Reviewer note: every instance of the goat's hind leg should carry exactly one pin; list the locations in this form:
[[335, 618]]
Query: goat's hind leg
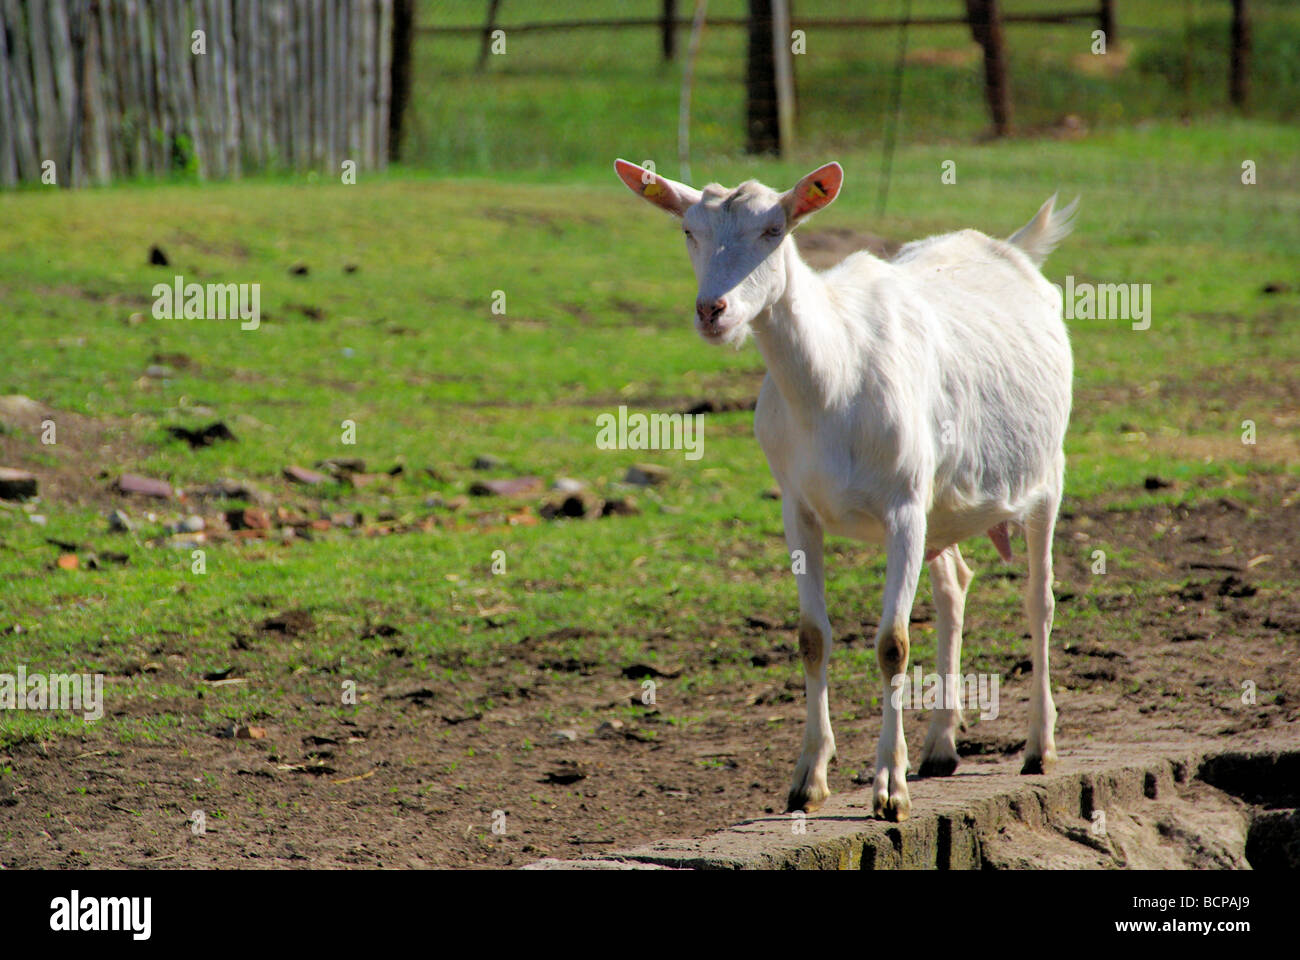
[[949, 579], [1040, 745], [803, 533]]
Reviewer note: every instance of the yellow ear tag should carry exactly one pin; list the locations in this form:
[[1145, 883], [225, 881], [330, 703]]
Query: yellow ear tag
[[652, 189], [815, 191]]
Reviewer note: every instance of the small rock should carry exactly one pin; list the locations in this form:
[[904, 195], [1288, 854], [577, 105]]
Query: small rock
[[158, 372], [203, 436], [302, 475], [68, 561], [610, 729], [514, 487], [568, 485], [622, 507], [157, 258], [568, 736], [1156, 483], [342, 465], [144, 486], [349, 268], [38, 519], [135, 319], [119, 522], [191, 524], [250, 518], [299, 269], [574, 506], [487, 462], [16, 484], [646, 475]]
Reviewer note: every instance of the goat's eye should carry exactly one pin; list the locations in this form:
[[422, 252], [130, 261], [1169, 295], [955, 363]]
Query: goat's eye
[[687, 234], [772, 232]]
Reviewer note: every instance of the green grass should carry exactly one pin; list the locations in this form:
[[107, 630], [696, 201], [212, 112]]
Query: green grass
[[542, 104]]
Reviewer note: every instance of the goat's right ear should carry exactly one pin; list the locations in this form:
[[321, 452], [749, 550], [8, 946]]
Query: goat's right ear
[[664, 193]]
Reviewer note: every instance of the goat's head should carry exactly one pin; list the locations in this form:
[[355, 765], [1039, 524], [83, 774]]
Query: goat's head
[[733, 237]]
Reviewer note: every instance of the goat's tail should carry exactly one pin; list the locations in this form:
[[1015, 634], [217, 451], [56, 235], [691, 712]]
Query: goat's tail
[[1040, 235]]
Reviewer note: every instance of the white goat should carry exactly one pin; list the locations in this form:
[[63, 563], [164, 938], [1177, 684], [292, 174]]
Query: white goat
[[915, 403]]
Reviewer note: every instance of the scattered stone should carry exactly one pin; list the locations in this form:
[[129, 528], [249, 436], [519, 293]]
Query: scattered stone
[[250, 518], [1277, 287], [639, 671], [187, 543], [621, 507], [610, 729], [135, 319], [342, 465], [227, 489], [488, 462], [565, 772], [190, 524], [238, 731], [349, 268], [646, 475], [566, 736], [1156, 483], [68, 561], [119, 522], [17, 484], [568, 485], [574, 506], [144, 486], [347, 520], [299, 269], [158, 372], [37, 518], [157, 258], [203, 436], [291, 623], [457, 503], [514, 487], [302, 475]]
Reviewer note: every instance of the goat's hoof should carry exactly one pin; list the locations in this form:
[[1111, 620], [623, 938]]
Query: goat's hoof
[[807, 798], [1038, 764], [893, 803], [938, 767]]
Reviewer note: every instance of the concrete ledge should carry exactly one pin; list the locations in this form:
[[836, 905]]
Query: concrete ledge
[[1151, 805]]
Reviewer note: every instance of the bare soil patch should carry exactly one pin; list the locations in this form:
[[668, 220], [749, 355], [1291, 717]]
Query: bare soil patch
[[564, 749]]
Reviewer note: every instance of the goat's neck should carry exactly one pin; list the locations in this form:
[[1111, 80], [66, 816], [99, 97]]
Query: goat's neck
[[803, 339]]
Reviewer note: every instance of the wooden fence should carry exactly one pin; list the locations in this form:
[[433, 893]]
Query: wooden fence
[[120, 88]]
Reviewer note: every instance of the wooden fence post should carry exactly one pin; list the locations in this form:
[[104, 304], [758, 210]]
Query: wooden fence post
[[986, 26], [763, 126], [1239, 81], [668, 25], [1106, 21], [400, 89]]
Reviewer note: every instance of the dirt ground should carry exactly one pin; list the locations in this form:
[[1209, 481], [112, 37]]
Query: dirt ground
[[411, 785]]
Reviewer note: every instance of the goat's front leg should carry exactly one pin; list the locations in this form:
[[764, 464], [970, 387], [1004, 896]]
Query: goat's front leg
[[905, 546], [803, 534]]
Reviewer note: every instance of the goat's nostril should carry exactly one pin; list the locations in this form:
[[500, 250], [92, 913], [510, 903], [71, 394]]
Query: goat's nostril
[[710, 312]]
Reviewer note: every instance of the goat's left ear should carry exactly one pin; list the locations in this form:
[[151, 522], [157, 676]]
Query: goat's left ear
[[813, 192]]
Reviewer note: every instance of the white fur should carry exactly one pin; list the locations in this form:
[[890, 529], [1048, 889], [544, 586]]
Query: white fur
[[914, 403]]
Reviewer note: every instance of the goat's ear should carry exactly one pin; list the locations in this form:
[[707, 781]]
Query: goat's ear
[[669, 194], [813, 192]]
